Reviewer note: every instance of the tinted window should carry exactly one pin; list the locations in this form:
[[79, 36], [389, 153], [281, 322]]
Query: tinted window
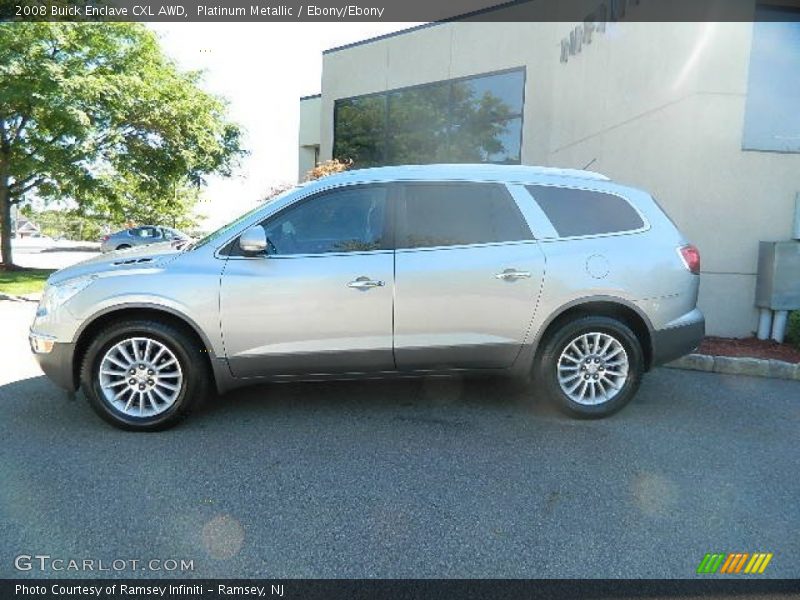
[[347, 220], [448, 214], [584, 212], [473, 119], [146, 232], [771, 119]]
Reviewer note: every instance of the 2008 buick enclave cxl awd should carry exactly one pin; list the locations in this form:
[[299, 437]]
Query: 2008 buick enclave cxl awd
[[562, 275]]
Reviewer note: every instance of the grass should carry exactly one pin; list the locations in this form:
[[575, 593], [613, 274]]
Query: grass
[[23, 281]]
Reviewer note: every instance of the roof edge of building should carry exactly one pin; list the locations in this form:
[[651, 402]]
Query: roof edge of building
[[460, 17]]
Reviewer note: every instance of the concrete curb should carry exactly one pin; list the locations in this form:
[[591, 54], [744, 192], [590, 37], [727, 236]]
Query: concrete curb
[[730, 365]]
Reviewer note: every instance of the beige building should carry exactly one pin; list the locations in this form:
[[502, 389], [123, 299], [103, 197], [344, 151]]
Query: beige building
[[308, 136], [679, 109]]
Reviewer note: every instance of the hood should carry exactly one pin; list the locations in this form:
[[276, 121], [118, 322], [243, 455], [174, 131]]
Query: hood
[[137, 259]]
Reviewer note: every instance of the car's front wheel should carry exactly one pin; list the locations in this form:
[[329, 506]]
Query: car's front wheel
[[143, 375], [591, 366]]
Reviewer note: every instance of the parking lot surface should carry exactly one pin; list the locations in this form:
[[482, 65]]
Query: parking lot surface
[[422, 478]]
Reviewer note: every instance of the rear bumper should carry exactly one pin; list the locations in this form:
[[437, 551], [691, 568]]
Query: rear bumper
[[676, 341], [57, 365]]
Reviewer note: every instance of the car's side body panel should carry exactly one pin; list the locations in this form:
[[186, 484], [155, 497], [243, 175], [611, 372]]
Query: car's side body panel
[[295, 315], [455, 307]]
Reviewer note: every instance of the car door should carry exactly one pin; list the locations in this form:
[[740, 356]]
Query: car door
[[468, 276], [320, 300]]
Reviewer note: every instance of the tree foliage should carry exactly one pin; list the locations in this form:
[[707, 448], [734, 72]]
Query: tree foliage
[[97, 114], [65, 223]]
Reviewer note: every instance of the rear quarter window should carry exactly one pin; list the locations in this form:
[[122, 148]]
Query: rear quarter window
[[575, 212]]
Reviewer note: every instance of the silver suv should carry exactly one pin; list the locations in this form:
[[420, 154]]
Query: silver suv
[[562, 275]]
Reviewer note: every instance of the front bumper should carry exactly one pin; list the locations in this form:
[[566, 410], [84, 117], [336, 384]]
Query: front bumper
[[673, 342], [57, 364]]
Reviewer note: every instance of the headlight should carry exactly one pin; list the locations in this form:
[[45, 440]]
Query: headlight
[[58, 294]]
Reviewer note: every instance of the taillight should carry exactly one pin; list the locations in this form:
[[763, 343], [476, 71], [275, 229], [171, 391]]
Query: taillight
[[105, 238], [690, 256]]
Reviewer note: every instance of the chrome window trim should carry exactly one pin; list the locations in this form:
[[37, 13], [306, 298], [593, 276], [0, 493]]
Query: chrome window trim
[[465, 246], [315, 255]]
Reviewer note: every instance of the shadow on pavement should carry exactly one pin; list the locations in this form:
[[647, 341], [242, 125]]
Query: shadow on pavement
[[34, 401]]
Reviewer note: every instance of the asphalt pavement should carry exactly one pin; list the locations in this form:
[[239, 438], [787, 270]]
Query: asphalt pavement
[[425, 478]]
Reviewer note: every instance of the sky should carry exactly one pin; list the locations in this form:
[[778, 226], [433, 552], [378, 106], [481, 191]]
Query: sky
[[262, 69]]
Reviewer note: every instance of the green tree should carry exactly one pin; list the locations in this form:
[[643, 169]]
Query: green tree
[[95, 113]]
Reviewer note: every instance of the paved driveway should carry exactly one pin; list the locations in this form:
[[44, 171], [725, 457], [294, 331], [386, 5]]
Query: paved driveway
[[430, 478]]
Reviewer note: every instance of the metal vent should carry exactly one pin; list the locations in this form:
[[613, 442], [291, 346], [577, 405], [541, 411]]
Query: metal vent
[[132, 261]]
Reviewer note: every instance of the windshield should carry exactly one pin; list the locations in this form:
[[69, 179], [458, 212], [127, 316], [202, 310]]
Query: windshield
[[225, 229]]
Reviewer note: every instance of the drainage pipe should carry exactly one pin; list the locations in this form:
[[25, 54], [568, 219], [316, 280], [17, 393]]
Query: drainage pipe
[[764, 323], [779, 325]]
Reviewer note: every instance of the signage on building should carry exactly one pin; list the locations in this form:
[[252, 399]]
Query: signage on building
[[595, 21]]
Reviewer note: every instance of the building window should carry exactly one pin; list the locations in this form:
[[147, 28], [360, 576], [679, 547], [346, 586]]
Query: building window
[[772, 118], [472, 119]]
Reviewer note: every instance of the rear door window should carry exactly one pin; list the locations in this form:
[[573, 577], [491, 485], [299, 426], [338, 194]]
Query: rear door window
[[575, 212], [456, 213]]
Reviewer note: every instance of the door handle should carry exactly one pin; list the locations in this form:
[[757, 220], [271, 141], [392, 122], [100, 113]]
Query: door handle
[[365, 283], [513, 275]]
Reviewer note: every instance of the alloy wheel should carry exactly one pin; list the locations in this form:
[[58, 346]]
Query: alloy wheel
[[140, 377], [593, 368]]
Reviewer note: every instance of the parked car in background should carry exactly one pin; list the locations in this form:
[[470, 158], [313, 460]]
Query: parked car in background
[[141, 236], [563, 276]]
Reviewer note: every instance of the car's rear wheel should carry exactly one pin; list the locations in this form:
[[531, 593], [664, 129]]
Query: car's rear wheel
[[591, 367], [144, 375], [123, 246]]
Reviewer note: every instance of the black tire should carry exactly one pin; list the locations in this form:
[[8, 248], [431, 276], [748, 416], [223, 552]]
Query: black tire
[[194, 387], [546, 368], [123, 246]]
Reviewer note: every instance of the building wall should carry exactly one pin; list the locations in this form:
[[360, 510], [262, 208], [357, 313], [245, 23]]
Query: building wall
[[309, 135], [659, 106]]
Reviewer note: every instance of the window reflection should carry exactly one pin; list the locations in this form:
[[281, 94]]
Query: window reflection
[[476, 119]]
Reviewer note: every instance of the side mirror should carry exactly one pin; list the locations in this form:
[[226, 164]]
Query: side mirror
[[253, 240]]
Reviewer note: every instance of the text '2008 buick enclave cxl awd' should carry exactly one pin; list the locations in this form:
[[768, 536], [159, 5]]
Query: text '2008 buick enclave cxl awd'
[[565, 276]]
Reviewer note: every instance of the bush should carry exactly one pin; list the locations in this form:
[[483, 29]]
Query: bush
[[793, 331], [329, 167]]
